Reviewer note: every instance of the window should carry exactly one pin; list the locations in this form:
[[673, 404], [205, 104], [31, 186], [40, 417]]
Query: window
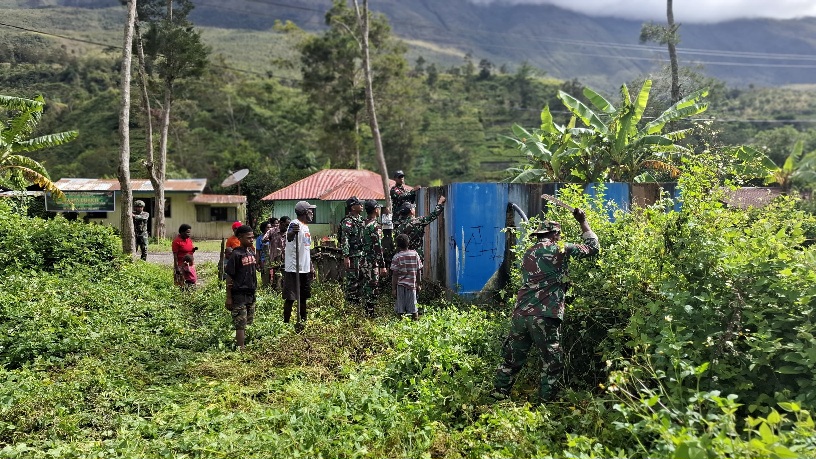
[[167, 208], [216, 214]]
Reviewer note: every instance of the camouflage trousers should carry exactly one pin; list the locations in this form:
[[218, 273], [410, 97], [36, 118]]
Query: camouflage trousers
[[545, 333], [353, 281], [370, 285], [141, 245]]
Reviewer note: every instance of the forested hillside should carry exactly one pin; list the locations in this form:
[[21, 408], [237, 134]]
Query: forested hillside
[[259, 106]]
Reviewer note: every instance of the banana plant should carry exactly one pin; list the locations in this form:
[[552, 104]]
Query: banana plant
[[15, 140], [798, 168], [621, 142], [614, 143], [549, 151]]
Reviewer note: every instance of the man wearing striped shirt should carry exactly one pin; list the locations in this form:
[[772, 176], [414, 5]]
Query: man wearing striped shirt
[[406, 272]]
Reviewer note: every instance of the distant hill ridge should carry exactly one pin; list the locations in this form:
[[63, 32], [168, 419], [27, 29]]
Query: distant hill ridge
[[597, 50]]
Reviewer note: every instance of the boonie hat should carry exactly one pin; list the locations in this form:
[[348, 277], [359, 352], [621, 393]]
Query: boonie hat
[[399, 173], [236, 225], [302, 206], [548, 226], [138, 203], [371, 204], [353, 201], [407, 208]]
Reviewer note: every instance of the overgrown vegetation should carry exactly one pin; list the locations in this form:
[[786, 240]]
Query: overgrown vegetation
[[690, 335]]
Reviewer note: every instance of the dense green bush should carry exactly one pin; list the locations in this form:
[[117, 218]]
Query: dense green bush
[[54, 244]]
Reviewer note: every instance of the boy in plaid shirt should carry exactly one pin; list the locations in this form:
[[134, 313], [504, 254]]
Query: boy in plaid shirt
[[406, 272]]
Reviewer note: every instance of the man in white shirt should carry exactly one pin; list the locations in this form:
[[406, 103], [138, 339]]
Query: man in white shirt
[[298, 275]]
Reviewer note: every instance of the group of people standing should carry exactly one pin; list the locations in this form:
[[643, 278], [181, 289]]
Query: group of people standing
[[369, 257], [289, 243]]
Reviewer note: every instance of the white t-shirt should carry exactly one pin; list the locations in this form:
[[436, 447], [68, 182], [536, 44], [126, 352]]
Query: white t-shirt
[[386, 222], [304, 238]]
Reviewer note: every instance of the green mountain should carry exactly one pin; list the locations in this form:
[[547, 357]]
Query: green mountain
[[599, 51]]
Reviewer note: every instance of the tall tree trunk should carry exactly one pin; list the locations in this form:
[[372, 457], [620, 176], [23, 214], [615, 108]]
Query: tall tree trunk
[[126, 193], [161, 166], [148, 163], [672, 39], [362, 18], [357, 164]]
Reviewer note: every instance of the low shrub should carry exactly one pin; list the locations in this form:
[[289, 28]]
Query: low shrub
[[54, 244]]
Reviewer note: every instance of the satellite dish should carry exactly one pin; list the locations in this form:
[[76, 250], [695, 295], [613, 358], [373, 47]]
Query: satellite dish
[[235, 177]]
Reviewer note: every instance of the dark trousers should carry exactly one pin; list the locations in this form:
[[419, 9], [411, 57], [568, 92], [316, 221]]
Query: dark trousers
[[141, 245]]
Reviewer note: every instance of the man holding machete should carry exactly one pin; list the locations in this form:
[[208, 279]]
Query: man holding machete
[[540, 305]]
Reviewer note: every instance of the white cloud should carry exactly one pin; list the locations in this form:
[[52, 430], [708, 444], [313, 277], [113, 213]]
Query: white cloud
[[688, 11]]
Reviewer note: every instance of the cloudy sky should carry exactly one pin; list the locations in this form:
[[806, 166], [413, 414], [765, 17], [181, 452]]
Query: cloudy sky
[[688, 11]]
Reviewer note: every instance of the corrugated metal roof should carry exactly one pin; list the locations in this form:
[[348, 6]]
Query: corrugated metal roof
[[333, 185], [218, 199], [751, 197], [170, 185], [349, 189]]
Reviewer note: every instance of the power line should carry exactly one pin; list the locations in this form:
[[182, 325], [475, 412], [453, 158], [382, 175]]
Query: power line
[[81, 40], [295, 7], [119, 47], [294, 80], [545, 39]]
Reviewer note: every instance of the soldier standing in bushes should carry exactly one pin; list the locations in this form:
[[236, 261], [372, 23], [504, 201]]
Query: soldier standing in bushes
[[540, 306], [372, 262], [350, 236]]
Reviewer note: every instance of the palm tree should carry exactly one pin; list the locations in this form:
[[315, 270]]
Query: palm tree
[[15, 141]]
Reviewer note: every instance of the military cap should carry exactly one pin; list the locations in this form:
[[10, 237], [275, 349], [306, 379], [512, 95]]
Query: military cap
[[548, 226], [353, 201], [138, 203], [371, 204], [399, 173], [407, 208]]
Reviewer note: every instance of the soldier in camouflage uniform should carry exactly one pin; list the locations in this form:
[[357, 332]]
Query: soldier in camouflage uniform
[[540, 306], [372, 263], [414, 226], [140, 219], [399, 195], [350, 236]]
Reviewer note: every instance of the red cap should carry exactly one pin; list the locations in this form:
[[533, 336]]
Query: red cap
[[236, 225]]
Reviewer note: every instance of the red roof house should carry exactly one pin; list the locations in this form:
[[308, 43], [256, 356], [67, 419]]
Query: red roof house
[[328, 190], [333, 185]]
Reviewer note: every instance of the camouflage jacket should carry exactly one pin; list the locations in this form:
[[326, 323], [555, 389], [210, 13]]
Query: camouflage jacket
[[399, 196], [544, 271], [415, 229], [140, 223], [350, 235], [372, 245]]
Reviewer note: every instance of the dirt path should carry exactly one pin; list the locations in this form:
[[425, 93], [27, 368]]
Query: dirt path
[[166, 258]]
